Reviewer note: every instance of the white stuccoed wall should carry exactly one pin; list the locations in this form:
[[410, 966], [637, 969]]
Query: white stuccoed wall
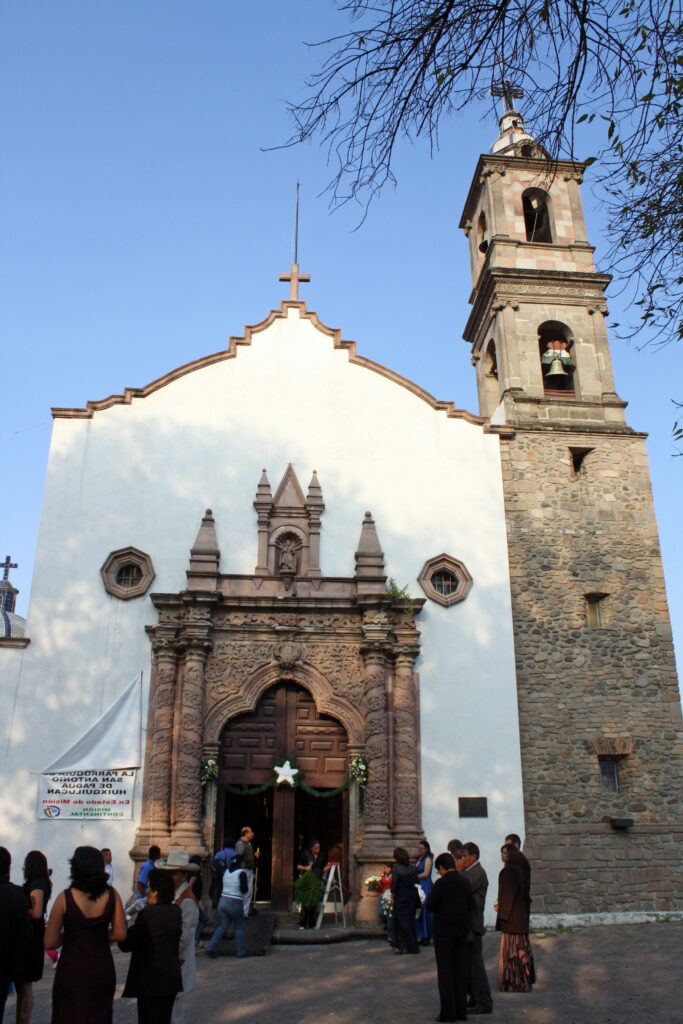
[[143, 473]]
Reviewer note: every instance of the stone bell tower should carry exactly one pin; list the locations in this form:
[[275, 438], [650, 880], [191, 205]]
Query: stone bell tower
[[599, 707]]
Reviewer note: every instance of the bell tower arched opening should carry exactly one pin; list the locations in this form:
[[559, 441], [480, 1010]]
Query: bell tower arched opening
[[557, 365], [536, 206]]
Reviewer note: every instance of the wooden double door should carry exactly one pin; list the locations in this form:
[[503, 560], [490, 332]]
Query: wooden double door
[[285, 724]]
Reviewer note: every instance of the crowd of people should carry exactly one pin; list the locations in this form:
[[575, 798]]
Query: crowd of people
[[163, 925], [450, 912], [86, 918]]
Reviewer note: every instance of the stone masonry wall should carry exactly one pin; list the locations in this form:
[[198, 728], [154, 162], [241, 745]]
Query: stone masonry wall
[[572, 534]]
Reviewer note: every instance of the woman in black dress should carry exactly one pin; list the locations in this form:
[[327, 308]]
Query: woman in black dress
[[154, 976], [83, 920], [38, 888], [516, 962], [403, 881]]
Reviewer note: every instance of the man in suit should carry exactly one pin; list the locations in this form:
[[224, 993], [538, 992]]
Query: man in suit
[[480, 990], [525, 866], [451, 905], [16, 930]]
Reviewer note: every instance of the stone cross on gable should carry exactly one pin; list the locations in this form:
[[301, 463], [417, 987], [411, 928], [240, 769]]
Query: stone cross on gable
[[294, 277], [7, 565], [508, 92]]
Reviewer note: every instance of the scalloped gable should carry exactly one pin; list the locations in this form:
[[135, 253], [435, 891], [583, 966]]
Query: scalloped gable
[[249, 331]]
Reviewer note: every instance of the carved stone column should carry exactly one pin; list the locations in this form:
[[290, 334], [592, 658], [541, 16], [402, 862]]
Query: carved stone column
[[406, 782], [376, 796], [187, 789], [156, 791]]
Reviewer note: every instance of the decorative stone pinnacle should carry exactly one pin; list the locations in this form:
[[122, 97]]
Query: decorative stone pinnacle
[[369, 556]]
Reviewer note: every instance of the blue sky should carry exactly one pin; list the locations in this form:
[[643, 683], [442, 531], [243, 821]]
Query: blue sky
[[143, 224]]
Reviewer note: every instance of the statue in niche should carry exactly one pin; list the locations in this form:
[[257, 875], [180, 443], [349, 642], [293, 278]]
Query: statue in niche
[[288, 557]]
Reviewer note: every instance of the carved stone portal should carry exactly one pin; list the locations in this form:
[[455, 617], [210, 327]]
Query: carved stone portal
[[344, 648]]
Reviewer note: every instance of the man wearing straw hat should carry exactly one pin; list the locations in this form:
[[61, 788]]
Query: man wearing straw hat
[[179, 864]]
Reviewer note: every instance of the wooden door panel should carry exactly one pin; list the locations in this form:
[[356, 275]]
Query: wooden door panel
[[285, 723]]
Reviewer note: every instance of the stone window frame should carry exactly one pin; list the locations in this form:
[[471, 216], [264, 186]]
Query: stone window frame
[[445, 563], [610, 750], [596, 609], [115, 561]]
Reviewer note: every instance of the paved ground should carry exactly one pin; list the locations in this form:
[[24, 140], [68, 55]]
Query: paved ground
[[627, 974]]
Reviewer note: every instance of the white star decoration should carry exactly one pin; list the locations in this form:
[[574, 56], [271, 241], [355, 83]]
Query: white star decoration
[[285, 773]]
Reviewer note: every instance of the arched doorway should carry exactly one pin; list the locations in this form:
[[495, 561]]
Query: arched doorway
[[284, 724]]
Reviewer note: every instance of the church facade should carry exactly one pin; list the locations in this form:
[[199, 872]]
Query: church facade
[[472, 606]]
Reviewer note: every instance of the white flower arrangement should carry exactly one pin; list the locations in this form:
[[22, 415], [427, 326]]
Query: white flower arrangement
[[358, 770], [387, 903], [209, 770]]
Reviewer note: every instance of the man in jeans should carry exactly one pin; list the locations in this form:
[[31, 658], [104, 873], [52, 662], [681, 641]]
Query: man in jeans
[[245, 850], [231, 907]]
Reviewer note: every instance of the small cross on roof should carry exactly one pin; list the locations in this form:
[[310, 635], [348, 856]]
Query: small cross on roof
[[294, 277], [6, 566]]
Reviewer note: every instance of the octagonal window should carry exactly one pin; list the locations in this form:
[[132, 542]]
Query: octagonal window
[[127, 573], [445, 579]]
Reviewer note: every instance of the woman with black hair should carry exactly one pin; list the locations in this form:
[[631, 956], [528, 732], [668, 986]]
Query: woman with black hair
[[154, 976], [38, 889], [425, 858], [406, 899], [83, 920], [516, 971]]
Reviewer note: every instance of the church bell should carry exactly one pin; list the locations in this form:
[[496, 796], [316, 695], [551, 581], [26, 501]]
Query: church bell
[[557, 369]]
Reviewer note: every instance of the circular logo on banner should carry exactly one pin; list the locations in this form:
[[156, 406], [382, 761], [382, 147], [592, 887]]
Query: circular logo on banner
[[51, 811]]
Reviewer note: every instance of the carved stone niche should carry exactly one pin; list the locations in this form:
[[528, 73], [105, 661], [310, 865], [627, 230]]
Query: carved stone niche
[[289, 527]]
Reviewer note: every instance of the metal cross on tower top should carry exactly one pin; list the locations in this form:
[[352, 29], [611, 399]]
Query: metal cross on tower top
[[7, 565], [508, 92]]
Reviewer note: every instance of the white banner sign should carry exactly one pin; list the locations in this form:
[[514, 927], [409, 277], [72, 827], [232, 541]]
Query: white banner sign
[[92, 793]]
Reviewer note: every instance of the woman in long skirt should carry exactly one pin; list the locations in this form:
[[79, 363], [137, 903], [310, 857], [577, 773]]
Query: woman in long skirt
[[516, 962]]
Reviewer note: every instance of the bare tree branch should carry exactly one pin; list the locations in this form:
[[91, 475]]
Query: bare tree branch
[[404, 65]]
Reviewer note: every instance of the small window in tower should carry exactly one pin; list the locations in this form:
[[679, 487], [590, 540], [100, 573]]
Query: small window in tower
[[482, 235], [491, 363], [536, 216], [128, 575], [578, 455], [595, 610], [609, 777]]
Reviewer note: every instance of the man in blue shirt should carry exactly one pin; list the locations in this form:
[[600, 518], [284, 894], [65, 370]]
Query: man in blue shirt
[[154, 854]]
